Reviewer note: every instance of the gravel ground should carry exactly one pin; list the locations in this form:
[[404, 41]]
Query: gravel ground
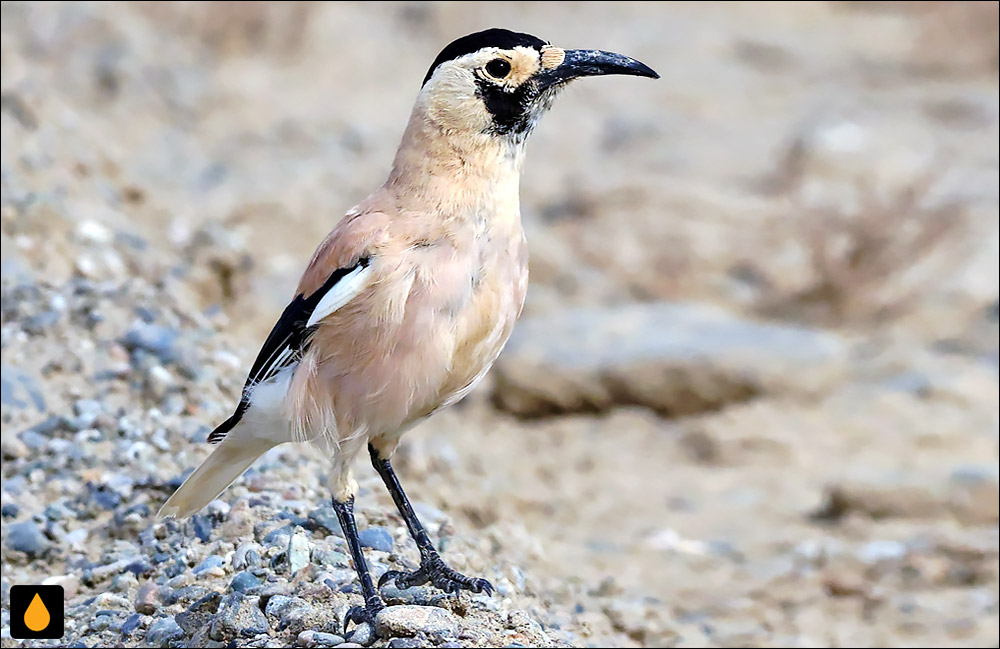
[[788, 451]]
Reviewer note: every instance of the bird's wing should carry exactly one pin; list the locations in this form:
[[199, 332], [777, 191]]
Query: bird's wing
[[289, 338]]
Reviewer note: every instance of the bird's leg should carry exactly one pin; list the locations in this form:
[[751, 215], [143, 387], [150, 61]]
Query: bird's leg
[[432, 568], [373, 603]]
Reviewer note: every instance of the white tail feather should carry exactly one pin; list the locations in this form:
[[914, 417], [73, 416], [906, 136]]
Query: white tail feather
[[226, 463]]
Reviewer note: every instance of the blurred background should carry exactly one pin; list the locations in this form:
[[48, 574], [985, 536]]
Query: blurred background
[[753, 399]]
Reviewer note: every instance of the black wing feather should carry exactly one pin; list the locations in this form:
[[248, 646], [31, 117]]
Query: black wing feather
[[290, 336]]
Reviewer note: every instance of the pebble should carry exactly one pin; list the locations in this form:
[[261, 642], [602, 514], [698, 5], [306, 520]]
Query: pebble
[[200, 613], [158, 382], [311, 638], [331, 558], [878, 551], [247, 555], [146, 599], [405, 643], [202, 527], [69, 583], [298, 551], [376, 538], [211, 565], [362, 635], [244, 582], [325, 519], [408, 620], [154, 339], [239, 616], [20, 390], [27, 537], [33, 440], [131, 624], [163, 631], [417, 595]]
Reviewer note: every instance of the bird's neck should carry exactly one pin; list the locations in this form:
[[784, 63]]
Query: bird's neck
[[454, 172]]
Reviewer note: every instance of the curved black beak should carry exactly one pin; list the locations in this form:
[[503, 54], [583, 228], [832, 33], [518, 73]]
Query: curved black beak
[[592, 63]]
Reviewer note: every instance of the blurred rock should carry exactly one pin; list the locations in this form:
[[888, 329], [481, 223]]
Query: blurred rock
[[376, 538], [677, 359], [20, 390], [880, 501], [27, 537]]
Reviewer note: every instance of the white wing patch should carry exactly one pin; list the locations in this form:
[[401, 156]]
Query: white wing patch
[[341, 293]]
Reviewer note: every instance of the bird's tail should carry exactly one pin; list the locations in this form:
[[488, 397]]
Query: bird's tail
[[226, 463]]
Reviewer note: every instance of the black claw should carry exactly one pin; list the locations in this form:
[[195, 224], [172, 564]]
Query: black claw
[[362, 614], [390, 575], [481, 585], [435, 571]]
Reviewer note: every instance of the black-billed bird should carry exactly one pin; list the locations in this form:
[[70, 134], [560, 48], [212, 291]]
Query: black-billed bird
[[407, 303]]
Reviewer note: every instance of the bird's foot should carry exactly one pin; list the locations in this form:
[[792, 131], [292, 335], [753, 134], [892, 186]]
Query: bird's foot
[[362, 614], [434, 570]]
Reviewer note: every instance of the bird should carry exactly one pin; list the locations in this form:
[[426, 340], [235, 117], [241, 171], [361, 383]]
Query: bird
[[407, 303]]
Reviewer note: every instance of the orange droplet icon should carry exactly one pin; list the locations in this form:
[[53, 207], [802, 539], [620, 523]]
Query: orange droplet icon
[[37, 616]]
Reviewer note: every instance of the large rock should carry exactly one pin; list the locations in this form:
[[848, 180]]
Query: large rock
[[678, 359], [408, 620]]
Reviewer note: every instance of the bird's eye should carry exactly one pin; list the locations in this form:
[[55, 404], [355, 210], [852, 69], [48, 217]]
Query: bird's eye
[[498, 68]]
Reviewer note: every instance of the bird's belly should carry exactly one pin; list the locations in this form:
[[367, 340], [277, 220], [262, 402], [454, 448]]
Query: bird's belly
[[441, 337]]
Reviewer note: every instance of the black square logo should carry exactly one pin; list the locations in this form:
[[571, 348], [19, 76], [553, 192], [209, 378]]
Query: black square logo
[[37, 612]]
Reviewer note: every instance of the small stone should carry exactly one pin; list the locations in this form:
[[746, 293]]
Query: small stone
[[12, 448], [69, 583], [410, 620], [244, 582], [878, 551], [200, 613], [239, 616], [376, 538], [37, 325], [154, 339], [218, 508], [202, 527], [19, 390], [325, 519], [404, 643], [158, 382], [131, 624], [247, 555], [331, 558], [362, 635], [298, 551], [321, 639], [146, 599], [27, 537], [33, 440], [277, 537], [211, 565], [417, 595], [162, 632]]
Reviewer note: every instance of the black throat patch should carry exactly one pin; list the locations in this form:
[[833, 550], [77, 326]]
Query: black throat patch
[[513, 111]]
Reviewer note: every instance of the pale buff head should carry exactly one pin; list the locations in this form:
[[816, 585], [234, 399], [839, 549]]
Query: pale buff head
[[499, 82]]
